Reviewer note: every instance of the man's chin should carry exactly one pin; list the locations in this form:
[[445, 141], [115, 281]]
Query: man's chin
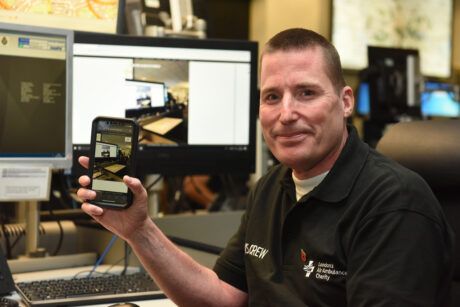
[[294, 161]]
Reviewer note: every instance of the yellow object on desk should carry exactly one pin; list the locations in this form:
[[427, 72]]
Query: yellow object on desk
[[163, 125], [114, 168]]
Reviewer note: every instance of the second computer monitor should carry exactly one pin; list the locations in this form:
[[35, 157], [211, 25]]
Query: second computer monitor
[[438, 100], [35, 104], [195, 100]]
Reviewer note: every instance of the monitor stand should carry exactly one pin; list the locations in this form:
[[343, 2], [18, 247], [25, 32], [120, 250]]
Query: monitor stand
[[32, 230], [36, 258], [154, 183], [27, 185]]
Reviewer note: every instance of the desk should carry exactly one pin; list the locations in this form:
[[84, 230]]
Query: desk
[[163, 125], [149, 303], [198, 229], [115, 168], [164, 302], [70, 272]]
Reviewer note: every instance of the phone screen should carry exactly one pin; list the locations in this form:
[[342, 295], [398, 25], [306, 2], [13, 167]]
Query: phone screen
[[113, 144]]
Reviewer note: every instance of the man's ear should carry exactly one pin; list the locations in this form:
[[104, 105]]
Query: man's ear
[[347, 100]]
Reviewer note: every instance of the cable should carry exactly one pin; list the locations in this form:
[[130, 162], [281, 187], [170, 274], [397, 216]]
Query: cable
[[102, 256], [61, 231], [20, 235], [113, 265], [179, 204], [127, 253]]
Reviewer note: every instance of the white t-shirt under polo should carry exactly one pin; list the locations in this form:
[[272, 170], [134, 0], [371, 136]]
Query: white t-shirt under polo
[[303, 186]]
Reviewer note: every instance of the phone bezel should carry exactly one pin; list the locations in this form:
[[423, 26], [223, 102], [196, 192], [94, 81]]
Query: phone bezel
[[132, 167]]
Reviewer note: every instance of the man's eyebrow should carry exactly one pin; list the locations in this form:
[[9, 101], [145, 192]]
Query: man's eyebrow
[[307, 85], [302, 85], [268, 89]]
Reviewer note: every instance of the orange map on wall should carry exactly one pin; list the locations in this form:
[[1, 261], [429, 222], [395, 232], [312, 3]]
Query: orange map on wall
[[99, 9]]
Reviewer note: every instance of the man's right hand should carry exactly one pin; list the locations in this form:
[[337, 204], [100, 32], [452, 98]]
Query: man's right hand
[[124, 222]]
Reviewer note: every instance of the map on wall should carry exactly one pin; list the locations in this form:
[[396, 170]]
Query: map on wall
[[410, 24], [87, 15]]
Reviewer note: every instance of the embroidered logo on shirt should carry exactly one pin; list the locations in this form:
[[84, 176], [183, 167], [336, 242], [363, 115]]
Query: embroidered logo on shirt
[[303, 255], [307, 268], [255, 250], [327, 271], [324, 271]]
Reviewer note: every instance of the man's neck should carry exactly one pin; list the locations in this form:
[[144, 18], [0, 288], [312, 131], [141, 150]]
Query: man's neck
[[325, 164]]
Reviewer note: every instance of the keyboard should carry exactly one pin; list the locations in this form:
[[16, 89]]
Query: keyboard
[[87, 291]]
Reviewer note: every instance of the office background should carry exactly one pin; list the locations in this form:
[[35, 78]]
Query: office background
[[265, 20], [255, 20]]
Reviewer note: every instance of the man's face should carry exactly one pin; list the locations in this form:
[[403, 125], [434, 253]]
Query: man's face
[[301, 113]]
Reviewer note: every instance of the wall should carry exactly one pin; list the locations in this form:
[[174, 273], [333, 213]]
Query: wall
[[267, 17], [456, 39]]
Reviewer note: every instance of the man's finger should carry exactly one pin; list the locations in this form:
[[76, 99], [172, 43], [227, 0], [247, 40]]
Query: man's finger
[[92, 209], [86, 194], [135, 186], [84, 161], [84, 180]]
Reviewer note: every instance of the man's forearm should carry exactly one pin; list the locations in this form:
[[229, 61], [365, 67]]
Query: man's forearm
[[182, 279]]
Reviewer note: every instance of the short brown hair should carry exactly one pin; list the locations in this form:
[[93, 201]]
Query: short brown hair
[[298, 39]]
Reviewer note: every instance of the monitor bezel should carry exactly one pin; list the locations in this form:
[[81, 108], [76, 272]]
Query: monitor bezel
[[193, 159], [55, 162]]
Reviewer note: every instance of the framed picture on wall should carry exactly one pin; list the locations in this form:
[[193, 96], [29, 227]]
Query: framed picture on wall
[[409, 24]]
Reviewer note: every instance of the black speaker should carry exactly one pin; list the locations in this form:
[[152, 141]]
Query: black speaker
[[6, 279]]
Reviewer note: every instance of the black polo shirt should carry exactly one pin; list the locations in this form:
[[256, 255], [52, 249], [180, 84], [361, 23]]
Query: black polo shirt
[[370, 234]]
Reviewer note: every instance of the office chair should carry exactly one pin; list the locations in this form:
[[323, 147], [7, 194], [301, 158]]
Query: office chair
[[432, 149]]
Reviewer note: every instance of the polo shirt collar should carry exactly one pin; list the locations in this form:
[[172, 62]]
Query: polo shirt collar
[[339, 181]]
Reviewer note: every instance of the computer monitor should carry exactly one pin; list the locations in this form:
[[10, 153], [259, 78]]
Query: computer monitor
[[438, 100], [394, 81], [35, 100], [96, 16], [148, 93], [207, 124]]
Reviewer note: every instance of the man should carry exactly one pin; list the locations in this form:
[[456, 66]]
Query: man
[[334, 224]]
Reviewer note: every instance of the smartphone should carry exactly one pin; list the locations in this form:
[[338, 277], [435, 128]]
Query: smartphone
[[112, 156]]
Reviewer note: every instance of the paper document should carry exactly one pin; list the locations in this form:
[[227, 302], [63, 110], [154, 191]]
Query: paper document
[[19, 182]]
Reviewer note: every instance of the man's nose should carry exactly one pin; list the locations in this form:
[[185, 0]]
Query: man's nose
[[288, 112]]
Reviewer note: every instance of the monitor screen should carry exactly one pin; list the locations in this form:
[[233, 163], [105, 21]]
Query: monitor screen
[[97, 16], [363, 105], [438, 99], [195, 100], [148, 94], [35, 79]]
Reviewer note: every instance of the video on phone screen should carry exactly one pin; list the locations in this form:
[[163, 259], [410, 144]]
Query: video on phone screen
[[112, 158]]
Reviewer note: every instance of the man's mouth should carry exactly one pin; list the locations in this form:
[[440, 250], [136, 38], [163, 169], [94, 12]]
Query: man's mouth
[[289, 137]]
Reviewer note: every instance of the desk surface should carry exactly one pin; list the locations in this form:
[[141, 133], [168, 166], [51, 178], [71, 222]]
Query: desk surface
[[163, 125], [70, 272], [148, 303]]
